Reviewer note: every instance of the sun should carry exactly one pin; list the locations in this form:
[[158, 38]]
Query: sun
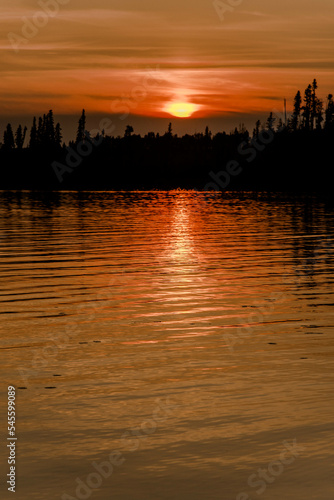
[[181, 109]]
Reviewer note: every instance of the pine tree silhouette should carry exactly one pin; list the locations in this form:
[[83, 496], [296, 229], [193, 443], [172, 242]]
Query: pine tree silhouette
[[297, 107], [20, 136], [33, 134], [81, 128], [8, 138]]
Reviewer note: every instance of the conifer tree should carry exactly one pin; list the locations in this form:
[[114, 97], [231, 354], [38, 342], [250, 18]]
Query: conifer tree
[[319, 107], [58, 135], [128, 131], [81, 128], [314, 103], [256, 130], [329, 120], [20, 136], [270, 122], [40, 131], [297, 107], [8, 137], [50, 128], [207, 133], [307, 108], [33, 134]]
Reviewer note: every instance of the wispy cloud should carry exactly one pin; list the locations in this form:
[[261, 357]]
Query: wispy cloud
[[92, 53]]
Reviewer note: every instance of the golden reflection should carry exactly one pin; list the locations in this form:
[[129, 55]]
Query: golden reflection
[[181, 246], [183, 285]]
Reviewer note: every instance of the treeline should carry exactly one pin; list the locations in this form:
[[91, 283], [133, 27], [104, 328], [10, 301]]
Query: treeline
[[281, 153], [43, 133]]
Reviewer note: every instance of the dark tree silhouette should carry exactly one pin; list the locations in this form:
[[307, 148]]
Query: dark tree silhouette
[[307, 108], [8, 138], [168, 161], [150, 136], [319, 107], [81, 128], [257, 128], [58, 135], [314, 103], [329, 112], [128, 131], [297, 107], [280, 125], [40, 131], [33, 134], [49, 128], [270, 122], [20, 136], [207, 133]]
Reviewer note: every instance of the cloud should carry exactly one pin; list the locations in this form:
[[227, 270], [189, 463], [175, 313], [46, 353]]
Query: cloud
[[93, 53]]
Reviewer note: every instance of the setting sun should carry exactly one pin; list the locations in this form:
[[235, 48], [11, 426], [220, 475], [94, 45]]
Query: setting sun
[[181, 109]]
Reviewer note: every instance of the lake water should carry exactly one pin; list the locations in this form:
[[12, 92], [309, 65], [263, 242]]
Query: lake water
[[192, 334]]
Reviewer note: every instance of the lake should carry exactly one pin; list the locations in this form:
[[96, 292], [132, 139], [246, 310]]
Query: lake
[[168, 345]]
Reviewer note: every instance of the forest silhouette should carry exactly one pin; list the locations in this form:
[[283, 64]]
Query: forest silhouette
[[284, 153]]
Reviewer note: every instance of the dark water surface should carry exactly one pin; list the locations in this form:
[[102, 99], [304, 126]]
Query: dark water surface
[[191, 333]]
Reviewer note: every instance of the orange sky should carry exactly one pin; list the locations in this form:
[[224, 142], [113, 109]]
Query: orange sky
[[147, 54]]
